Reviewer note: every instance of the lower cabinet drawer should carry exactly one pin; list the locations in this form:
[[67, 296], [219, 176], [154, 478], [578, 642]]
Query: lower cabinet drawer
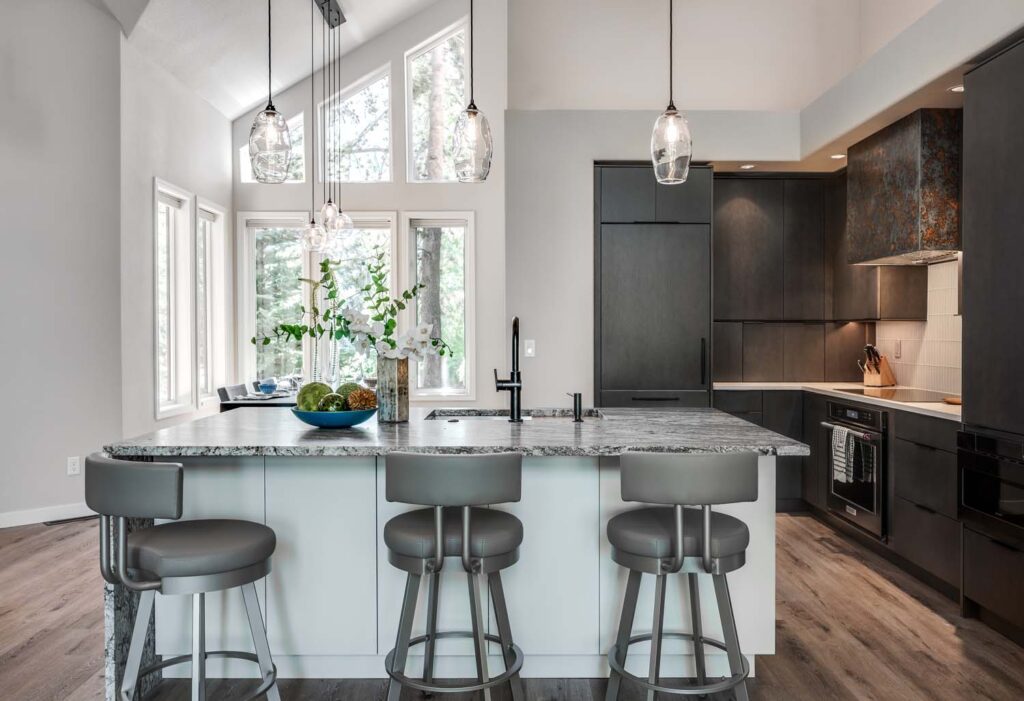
[[994, 576], [927, 538], [926, 476], [659, 399]]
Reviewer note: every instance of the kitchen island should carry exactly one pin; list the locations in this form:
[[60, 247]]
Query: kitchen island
[[331, 601]]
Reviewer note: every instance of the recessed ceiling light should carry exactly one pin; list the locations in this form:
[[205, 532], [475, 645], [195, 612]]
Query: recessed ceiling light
[[957, 88], [837, 156], [748, 166]]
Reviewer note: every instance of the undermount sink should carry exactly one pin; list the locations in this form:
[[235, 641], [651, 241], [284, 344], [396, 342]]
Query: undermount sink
[[454, 415]]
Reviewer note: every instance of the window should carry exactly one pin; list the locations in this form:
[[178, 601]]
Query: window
[[442, 258], [173, 299], [371, 232], [358, 131], [435, 75], [209, 299], [297, 163]]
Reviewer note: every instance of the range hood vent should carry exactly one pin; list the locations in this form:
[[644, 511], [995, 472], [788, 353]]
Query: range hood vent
[[903, 196]]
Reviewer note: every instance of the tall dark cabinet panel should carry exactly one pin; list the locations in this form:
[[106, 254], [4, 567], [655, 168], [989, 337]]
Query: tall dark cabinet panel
[[748, 249], [652, 290], [803, 263], [993, 242]]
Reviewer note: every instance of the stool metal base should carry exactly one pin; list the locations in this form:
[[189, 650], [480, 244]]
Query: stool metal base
[[700, 690], [430, 688], [268, 681]]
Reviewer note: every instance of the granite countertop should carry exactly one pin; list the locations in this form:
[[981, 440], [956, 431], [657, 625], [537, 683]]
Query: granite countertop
[[939, 410], [271, 431]]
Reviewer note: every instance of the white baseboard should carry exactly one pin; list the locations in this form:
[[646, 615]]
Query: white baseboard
[[46, 513]]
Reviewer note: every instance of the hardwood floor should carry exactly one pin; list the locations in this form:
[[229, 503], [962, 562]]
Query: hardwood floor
[[850, 626]]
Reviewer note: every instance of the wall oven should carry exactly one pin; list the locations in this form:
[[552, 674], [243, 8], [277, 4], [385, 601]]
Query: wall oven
[[855, 450]]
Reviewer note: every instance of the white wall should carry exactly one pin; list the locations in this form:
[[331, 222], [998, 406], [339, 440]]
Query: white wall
[[882, 20], [169, 133], [59, 274], [486, 199]]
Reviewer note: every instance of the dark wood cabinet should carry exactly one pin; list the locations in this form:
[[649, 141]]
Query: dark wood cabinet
[[803, 262], [688, 203], [993, 209], [652, 288], [994, 576], [783, 413], [627, 194], [728, 355], [815, 466], [926, 538], [748, 249], [926, 476]]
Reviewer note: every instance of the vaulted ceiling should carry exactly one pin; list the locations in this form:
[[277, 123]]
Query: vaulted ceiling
[[219, 48]]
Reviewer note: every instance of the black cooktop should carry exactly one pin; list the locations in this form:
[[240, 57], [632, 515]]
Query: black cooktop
[[898, 394]]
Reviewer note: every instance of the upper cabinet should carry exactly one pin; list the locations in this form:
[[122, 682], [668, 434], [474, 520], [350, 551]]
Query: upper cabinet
[[769, 249], [993, 243], [629, 194], [748, 248]]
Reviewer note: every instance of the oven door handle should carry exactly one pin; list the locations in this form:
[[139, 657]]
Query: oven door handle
[[863, 435]]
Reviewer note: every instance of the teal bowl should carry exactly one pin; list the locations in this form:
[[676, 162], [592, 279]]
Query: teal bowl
[[334, 419]]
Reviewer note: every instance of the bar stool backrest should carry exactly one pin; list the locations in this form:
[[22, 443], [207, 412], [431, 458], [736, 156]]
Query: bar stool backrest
[[688, 479], [453, 480], [131, 489]]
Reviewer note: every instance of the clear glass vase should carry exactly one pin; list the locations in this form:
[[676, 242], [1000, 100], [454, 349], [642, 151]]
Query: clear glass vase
[[392, 390]]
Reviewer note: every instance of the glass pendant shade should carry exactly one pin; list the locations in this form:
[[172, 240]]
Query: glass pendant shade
[[473, 146], [329, 214], [315, 238], [343, 222], [671, 147], [270, 146]]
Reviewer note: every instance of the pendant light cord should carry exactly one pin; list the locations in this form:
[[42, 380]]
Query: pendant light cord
[[671, 31], [270, 64], [312, 109], [472, 50], [323, 95]]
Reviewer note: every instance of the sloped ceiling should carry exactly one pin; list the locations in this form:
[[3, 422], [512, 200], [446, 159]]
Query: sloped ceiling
[[126, 12], [219, 48]]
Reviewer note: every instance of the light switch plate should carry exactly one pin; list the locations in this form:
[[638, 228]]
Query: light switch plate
[[74, 466], [530, 348]]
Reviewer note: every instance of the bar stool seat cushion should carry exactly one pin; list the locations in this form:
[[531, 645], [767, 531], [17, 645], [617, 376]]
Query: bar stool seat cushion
[[492, 533], [650, 532], [196, 548]]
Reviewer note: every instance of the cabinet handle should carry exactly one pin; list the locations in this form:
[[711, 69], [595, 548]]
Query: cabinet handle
[[925, 508], [655, 399], [703, 361]]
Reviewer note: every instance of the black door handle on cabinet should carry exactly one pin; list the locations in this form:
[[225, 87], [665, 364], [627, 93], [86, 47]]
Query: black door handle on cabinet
[[1001, 544], [925, 509], [703, 361], [655, 399]]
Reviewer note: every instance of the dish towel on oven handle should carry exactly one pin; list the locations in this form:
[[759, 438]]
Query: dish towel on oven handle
[[841, 454]]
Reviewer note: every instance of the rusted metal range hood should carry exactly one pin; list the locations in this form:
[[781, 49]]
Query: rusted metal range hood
[[903, 191]]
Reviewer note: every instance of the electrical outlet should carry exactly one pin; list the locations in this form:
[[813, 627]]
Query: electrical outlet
[[74, 466], [530, 348], [899, 349]]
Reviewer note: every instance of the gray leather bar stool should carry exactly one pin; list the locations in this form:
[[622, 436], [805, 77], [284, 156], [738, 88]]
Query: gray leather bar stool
[[185, 557], [486, 541], [664, 540]]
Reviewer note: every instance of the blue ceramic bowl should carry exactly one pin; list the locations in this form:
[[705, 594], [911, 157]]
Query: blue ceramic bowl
[[268, 387], [334, 419]]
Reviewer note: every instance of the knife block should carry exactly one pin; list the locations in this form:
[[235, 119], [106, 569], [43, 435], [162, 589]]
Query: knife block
[[883, 378]]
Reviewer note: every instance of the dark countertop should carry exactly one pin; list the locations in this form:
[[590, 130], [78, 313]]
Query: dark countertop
[[275, 431]]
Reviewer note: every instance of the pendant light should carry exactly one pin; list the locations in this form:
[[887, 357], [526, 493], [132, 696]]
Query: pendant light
[[331, 215], [315, 238], [473, 144], [671, 143], [270, 144]]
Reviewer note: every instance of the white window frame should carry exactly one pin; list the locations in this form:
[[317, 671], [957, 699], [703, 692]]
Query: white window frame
[[408, 278], [245, 245], [184, 201], [411, 55], [216, 292], [243, 157], [342, 95]]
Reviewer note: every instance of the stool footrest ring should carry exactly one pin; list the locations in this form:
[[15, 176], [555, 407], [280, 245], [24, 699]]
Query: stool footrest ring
[[713, 688], [268, 681], [420, 685]]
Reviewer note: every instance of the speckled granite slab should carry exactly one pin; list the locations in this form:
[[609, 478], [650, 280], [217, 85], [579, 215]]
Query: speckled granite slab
[[270, 431]]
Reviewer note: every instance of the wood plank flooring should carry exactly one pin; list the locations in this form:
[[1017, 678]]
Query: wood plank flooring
[[851, 626]]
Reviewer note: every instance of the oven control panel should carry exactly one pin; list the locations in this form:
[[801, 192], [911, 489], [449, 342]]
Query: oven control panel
[[848, 414]]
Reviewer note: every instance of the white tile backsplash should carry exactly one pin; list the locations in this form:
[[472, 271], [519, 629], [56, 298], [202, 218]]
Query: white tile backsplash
[[931, 350]]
